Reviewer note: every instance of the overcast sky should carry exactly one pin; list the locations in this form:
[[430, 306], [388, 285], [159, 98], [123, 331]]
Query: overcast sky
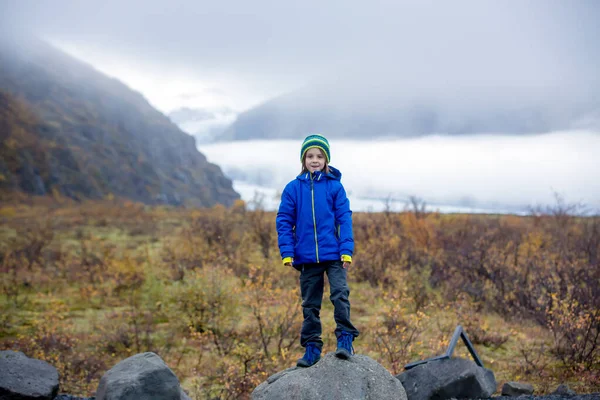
[[238, 53]]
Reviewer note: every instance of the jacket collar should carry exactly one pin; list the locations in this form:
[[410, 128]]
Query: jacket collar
[[334, 174]]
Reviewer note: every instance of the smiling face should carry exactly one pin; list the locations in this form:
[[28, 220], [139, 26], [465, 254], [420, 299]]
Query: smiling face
[[314, 160]]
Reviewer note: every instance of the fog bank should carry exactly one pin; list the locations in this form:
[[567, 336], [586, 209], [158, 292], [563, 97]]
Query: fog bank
[[483, 173]]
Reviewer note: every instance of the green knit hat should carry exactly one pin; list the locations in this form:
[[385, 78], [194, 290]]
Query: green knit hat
[[317, 141]]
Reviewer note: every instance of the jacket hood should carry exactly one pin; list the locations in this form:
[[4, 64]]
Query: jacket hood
[[334, 174]]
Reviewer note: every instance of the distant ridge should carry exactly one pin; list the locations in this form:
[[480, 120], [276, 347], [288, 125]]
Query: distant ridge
[[347, 109], [67, 129]]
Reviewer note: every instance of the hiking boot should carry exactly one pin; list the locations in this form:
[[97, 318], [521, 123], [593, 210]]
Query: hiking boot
[[311, 356], [344, 346]]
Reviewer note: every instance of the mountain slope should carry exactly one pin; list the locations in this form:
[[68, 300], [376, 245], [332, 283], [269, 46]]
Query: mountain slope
[[347, 108], [68, 129]]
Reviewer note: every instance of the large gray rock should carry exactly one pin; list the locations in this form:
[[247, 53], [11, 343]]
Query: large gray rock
[[564, 390], [360, 377], [24, 378], [515, 389], [446, 379], [143, 376]]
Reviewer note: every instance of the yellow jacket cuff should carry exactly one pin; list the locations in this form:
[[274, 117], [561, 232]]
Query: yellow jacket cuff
[[346, 258], [287, 260]]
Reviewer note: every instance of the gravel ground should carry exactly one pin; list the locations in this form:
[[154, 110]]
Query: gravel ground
[[592, 396]]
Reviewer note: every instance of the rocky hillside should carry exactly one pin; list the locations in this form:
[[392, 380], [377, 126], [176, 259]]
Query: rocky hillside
[[67, 129]]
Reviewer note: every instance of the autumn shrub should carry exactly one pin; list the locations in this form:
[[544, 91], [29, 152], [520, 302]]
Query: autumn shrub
[[215, 236], [14, 280], [89, 260], [509, 265], [276, 315], [262, 226], [126, 275], [533, 358], [208, 301], [479, 331], [236, 376], [50, 338], [380, 248], [127, 332], [576, 331], [185, 253], [396, 336], [233, 379], [252, 333], [212, 302], [22, 261], [388, 243], [538, 271]]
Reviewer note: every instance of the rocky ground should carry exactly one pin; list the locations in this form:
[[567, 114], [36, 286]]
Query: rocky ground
[[592, 396]]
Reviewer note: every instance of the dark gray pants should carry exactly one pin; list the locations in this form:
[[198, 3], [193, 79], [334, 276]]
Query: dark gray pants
[[312, 282]]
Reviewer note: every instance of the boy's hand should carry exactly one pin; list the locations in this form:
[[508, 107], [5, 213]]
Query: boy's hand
[[347, 260], [288, 261]]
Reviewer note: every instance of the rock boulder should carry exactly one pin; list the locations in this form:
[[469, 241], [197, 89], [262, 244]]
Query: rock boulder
[[515, 389], [448, 378], [360, 377], [26, 378], [144, 376]]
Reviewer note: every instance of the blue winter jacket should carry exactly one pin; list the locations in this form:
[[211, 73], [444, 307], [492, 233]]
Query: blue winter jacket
[[314, 221]]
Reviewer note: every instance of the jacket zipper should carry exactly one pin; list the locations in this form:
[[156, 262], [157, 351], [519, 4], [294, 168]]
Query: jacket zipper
[[312, 193]]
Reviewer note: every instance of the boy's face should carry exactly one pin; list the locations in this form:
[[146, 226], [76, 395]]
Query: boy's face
[[314, 160]]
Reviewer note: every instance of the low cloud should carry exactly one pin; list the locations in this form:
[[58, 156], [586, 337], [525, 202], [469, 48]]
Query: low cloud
[[483, 172]]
